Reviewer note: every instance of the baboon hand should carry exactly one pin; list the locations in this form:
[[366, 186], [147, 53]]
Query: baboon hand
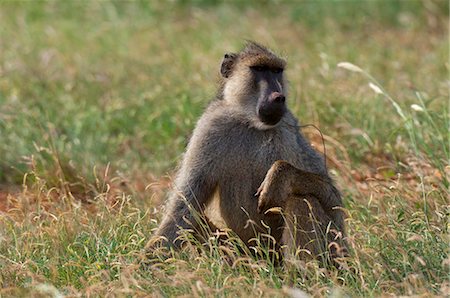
[[263, 198], [271, 192], [269, 197]]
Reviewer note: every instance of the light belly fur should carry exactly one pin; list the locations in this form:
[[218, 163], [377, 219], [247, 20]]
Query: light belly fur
[[213, 213]]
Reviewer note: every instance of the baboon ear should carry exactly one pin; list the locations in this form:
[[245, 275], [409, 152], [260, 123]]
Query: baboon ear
[[227, 64]]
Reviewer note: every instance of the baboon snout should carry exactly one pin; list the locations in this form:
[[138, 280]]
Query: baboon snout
[[272, 108]]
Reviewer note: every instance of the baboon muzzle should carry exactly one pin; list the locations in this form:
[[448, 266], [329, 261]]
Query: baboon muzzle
[[272, 108]]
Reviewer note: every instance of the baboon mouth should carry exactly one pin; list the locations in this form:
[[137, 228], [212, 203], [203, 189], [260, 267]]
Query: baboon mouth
[[271, 114], [270, 119]]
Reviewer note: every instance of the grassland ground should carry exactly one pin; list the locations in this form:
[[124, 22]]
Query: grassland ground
[[98, 100]]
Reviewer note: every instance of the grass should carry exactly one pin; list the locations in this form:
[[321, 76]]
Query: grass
[[98, 100]]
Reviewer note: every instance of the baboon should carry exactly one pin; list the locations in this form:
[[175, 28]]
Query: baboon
[[242, 133]]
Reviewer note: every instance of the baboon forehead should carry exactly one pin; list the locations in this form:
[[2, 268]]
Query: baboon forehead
[[270, 61], [256, 54]]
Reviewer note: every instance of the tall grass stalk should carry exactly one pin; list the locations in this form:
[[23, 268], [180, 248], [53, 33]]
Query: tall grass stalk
[[411, 123]]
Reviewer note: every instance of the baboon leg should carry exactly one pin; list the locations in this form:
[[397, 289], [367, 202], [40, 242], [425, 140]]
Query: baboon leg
[[303, 227], [309, 230]]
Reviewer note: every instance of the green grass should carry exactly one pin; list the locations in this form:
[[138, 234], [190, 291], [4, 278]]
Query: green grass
[[98, 100]]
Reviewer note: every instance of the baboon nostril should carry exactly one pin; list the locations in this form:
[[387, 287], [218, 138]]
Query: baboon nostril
[[280, 98], [277, 97]]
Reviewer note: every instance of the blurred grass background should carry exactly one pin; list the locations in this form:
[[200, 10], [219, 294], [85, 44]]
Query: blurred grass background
[[92, 93], [124, 82]]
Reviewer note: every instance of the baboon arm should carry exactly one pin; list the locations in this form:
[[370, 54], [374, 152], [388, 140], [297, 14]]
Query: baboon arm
[[185, 206], [194, 185]]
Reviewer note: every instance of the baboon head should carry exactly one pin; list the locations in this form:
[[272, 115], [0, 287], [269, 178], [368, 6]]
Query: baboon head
[[253, 79]]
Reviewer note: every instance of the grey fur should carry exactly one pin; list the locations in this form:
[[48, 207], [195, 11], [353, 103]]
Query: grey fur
[[228, 154]]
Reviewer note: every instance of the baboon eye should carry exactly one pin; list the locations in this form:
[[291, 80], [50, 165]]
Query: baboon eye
[[277, 70], [259, 68]]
